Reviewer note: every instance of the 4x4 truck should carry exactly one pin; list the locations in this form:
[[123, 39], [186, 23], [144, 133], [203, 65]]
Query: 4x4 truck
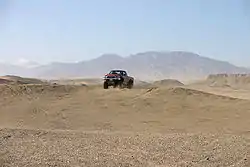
[[117, 78]]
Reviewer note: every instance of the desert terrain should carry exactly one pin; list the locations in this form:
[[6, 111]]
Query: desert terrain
[[164, 123]]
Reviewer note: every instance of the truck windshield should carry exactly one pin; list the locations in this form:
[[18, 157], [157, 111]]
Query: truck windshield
[[117, 72]]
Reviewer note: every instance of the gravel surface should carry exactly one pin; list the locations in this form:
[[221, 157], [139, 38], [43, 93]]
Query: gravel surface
[[72, 148]]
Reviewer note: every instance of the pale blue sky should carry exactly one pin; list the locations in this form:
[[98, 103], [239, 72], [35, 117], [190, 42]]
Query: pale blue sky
[[74, 30]]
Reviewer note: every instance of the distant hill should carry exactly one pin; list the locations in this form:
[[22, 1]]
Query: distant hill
[[151, 65], [6, 69]]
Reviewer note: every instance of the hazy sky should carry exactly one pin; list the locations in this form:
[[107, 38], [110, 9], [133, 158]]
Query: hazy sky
[[74, 30]]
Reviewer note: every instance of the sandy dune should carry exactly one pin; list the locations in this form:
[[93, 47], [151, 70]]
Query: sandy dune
[[192, 125]]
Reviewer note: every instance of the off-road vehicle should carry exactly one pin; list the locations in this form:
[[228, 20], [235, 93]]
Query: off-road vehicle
[[117, 78]]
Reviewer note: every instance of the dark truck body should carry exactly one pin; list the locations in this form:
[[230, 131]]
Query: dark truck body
[[117, 78]]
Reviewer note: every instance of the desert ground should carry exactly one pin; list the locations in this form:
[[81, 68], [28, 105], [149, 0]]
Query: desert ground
[[166, 123]]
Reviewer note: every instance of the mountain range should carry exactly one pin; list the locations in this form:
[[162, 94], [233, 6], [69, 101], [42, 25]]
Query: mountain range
[[151, 65]]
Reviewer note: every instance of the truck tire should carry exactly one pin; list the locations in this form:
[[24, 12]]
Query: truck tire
[[121, 83], [130, 84], [105, 85]]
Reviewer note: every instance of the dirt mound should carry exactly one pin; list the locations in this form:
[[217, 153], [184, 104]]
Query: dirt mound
[[21, 80], [229, 80], [79, 81], [18, 90], [5, 81], [155, 109], [168, 82], [197, 93], [180, 92]]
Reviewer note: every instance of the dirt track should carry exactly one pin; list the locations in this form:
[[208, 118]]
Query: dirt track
[[87, 126]]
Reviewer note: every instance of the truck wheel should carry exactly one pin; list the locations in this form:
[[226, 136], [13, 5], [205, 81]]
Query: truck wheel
[[121, 83], [105, 85], [116, 84], [130, 84]]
